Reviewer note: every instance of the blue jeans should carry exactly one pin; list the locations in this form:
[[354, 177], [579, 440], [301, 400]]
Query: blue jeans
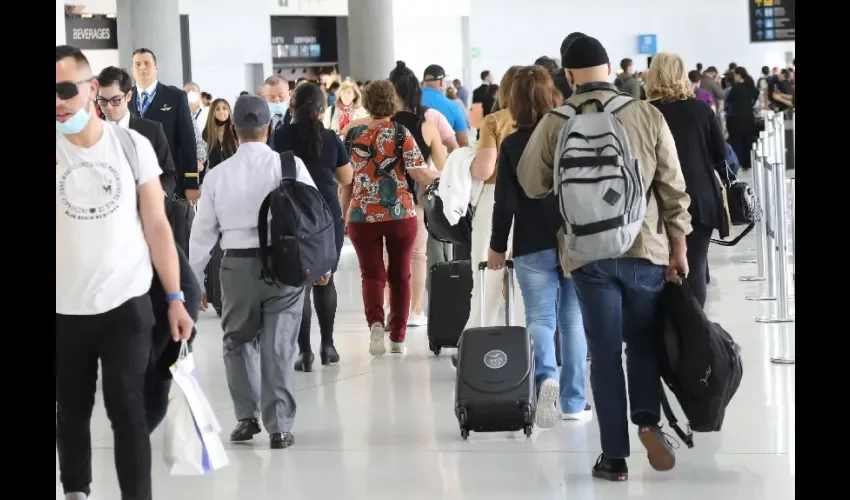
[[549, 296], [620, 301]]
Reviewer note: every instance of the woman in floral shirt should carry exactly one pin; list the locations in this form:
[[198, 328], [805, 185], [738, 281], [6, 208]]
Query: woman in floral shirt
[[382, 206]]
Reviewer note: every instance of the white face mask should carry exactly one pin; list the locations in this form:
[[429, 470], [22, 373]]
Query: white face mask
[[194, 97]]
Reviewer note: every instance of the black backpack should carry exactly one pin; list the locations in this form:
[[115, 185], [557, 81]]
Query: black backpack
[[700, 362], [303, 241]]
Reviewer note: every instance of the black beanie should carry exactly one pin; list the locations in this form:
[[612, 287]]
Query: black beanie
[[565, 45], [585, 52]]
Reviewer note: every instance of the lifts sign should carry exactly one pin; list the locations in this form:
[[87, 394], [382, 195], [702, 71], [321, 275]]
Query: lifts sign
[[92, 33]]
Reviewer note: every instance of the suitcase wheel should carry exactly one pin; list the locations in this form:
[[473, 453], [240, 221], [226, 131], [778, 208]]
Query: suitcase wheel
[[218, 311], [464, 433], [529, 429], [462, 419], [433, 347]]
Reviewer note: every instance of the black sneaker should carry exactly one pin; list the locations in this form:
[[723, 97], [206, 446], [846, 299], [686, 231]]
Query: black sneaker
[[281, 440], [245, 430], [611, 469], [659, 447]]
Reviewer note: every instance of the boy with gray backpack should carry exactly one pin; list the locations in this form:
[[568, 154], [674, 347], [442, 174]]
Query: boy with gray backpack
[[611, 160]]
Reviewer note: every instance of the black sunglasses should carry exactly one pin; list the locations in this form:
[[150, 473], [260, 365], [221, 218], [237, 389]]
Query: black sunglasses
[[69, 90]]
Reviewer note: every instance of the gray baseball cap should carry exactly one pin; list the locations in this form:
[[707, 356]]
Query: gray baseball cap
[[251, 111]]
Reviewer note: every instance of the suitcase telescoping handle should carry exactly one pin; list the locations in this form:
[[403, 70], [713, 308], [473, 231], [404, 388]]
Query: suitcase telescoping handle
[[509, 291]]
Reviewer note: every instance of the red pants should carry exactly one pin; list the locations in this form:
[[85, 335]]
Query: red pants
[[368, 240]]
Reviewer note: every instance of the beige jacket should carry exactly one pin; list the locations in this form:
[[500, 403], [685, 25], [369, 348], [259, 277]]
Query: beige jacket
[[332, 123], [651, 143]]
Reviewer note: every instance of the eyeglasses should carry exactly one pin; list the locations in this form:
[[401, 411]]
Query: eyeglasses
[[69, 90], [114, 101]]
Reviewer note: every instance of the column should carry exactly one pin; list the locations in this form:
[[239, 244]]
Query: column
[[60, 22], [370, 39], [155, 25]]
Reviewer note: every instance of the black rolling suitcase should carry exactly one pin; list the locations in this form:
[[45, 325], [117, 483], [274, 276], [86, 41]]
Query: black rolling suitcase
[[212, 280], [448, 303], [495, 389]]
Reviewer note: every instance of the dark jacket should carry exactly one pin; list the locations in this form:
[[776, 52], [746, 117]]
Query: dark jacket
[[166, 350], [170, 107], [701, 148], [153, 132]]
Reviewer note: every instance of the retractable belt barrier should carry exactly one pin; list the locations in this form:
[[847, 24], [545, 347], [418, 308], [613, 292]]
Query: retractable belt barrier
[[776, 194]]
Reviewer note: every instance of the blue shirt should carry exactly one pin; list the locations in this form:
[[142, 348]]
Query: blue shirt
[[435, 99]]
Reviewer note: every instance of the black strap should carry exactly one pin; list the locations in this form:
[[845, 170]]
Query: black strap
[[399, 144], [598, 226], [589, 161], [737, 239], [653, 189], [287, 165], [687, 437], [333, 111], [263, 230]]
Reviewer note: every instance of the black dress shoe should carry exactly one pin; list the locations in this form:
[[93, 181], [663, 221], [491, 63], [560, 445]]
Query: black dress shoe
[[281, 440], [305, 364], [245, 430], [328, 355]]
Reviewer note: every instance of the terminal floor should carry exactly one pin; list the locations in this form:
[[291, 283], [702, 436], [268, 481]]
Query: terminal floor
[[382, 429]]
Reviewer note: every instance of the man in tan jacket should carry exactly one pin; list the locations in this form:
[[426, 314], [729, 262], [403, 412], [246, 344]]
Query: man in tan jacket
[[620, 297]]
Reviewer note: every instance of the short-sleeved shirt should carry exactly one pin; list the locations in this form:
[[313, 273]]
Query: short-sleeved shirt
[[435, 99], [380, 192], [443, 127], [494, 128], [323, 168]]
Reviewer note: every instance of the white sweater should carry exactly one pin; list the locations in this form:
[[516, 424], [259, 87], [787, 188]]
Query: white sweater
[[457, 187]]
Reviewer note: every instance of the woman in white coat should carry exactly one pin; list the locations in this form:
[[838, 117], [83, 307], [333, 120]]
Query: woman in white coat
[[348, 108]]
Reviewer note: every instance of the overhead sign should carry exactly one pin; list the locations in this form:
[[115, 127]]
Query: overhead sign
[[476, 52], [92, 32], [648, 44], [772, 20]]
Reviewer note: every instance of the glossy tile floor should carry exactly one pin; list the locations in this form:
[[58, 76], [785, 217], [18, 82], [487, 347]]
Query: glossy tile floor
[[384, 428]]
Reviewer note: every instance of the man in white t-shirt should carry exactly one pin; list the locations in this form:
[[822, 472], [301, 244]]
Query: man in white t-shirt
[[110, 226]]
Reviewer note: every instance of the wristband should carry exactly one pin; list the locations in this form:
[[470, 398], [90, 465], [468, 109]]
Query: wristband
[[171, 297]]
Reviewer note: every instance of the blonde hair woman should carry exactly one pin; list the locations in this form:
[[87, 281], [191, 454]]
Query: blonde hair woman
[[701, 149], [348, 108]]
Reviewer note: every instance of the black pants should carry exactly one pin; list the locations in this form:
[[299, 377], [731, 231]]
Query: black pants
[[698, 242], [742, 143], [121, 340], [324, 300]]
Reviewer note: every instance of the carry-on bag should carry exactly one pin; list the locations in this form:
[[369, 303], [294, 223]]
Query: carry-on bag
[[495, 389], [212, 278], [448, 303]]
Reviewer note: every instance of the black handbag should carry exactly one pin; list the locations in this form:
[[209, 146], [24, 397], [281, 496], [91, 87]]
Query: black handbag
[[437, 224], [744, 206]]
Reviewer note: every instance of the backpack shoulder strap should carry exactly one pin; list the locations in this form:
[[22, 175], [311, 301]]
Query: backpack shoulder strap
[[617, 103], [399, 143], [128, 146], [566, 111], [287, 165], [263, 233]]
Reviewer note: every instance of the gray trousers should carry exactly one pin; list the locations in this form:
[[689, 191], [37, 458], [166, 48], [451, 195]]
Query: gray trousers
[[260, 323]]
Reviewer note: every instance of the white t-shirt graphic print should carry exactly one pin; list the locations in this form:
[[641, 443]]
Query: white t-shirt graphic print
[[102, 258]]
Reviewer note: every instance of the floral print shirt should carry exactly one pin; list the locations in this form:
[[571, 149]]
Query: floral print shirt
[[380, 188]]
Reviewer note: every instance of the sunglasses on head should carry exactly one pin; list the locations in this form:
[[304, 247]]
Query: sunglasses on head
[[69, 90]]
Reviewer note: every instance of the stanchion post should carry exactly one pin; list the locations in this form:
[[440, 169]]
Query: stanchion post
[[766, 194], [761, 244]]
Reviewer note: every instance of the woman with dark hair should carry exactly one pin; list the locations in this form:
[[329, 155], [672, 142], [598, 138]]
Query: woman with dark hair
[[218, 134], [548, 295], [414, 117], [740, 115], [327, 161]]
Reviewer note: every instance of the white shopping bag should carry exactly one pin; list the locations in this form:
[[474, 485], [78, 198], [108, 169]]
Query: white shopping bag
[[192, 444]]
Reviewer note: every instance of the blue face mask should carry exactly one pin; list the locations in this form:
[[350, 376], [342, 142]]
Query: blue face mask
[[277, 108], [76, 123]]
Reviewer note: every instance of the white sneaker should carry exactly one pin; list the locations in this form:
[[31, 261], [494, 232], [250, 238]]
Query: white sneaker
[[397, 348], [417, 319], [585, 414], [376, 340], [547, 404]]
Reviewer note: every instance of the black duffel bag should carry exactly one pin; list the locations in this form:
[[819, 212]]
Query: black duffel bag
[[743, 205], [437, 224]]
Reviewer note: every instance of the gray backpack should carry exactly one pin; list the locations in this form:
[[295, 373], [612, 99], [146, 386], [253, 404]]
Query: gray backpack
[[600, 189]]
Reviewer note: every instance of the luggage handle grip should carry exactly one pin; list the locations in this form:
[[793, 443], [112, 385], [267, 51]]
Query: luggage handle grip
[[509, 291]]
